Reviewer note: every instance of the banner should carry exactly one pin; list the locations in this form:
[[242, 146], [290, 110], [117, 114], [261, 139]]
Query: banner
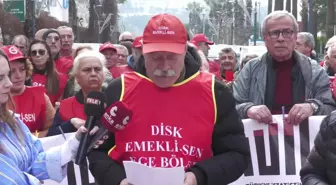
[[76, 175], [278, 151]]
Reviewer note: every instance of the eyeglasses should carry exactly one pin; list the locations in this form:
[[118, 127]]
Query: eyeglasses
[[50, 38], [286, 33], [41, 52]]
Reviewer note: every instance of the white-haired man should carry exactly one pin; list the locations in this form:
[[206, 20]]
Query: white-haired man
[[282, 77], [171, 93]]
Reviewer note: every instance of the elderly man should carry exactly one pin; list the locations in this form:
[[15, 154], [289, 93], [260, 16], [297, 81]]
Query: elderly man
[[282, 77], [122, 53], [67, 37], [305, 43], [21, 42], [162, 98]]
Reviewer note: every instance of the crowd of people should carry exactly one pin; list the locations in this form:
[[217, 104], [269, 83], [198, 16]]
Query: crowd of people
[[188, 110]]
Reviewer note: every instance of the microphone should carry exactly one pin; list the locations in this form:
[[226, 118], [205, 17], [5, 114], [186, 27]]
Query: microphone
[[94, 109], [115, 118]]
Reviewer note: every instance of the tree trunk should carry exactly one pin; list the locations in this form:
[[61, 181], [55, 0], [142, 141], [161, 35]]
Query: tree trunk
[[92, 27], [330, 19], [279, 5], [294, 6], [270, 6], [304, 15], [314, 22], [288, 5], [73, 19], [109, 7]]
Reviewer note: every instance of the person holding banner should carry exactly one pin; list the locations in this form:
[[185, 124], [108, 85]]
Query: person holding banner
[[22, 158], [182, 117], [320, 168], [282, 77]]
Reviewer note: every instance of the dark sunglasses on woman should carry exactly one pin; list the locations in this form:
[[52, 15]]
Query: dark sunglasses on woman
[[41, 52]]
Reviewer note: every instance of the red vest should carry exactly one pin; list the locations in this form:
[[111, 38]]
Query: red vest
[[170, 127], [40, 80], [71, 108], [31, 106], [117, 71]]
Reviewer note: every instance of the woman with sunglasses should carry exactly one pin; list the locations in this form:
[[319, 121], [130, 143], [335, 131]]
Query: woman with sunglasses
[[45, 73], [62, 64], [36, 112]]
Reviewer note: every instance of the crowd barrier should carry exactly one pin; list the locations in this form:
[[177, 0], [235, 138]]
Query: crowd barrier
[[278, 151]]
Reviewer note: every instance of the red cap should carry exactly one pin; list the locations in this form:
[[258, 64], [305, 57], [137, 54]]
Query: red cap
[[137, 43], [13, 53], [107, 45], [164, 32], [201, 38]]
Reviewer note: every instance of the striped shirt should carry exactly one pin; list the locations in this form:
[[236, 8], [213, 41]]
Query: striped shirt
[[27, 163]]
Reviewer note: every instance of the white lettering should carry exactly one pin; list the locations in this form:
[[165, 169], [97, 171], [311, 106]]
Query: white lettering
[[38, 84], [164, 162], [192, 151], [148, 161], [150, 146], [26, 118], [166, 130]]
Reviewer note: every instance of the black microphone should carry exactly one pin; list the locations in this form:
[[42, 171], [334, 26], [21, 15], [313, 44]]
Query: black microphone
[[94, 109]]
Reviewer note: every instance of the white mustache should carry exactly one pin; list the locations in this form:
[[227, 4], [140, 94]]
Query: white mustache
[[168, 73]]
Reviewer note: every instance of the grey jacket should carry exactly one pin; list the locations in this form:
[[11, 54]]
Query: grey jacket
[[250, 85]]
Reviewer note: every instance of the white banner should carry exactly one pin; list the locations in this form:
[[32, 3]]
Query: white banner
[[277, 153], [76, 175]]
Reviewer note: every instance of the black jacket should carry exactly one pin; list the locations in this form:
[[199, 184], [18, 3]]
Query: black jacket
[[229, 144], [320, 168]]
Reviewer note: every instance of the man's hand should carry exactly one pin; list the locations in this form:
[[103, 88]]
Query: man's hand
[[77, 122], [124, 182], [299, 112], [260, 113], [190, 179]]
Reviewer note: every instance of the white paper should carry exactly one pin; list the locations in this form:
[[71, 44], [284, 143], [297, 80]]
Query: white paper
[[139, 174]]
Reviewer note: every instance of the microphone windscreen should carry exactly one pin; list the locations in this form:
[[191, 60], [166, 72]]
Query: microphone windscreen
[[116, 117], [94, 104]]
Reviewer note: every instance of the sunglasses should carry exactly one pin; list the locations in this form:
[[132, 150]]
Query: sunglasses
[[41, 52]]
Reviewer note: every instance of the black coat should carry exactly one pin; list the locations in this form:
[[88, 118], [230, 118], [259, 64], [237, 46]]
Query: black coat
[[320, 168]]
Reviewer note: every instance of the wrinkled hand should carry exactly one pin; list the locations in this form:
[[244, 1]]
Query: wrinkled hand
[[190, 179], [77, 122], [260, 113], [299, 112], [124, 182]]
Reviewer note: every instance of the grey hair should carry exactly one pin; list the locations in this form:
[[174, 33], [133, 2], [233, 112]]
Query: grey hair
[[88, 54], [118, 46], [277, 15], [227, 50], [332, 46], [66, 27], [21, 37], [330, 41], [308, 38]]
